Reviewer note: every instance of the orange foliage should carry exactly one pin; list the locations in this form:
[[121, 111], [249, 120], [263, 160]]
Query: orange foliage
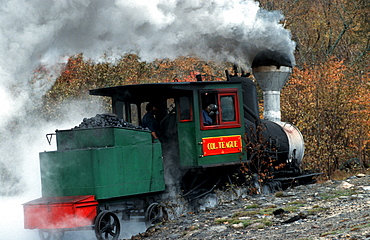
[[79, 76], [329, 108], [185, 69]]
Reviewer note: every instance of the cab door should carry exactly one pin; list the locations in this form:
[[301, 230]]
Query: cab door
[[220, 142], [187, 129]]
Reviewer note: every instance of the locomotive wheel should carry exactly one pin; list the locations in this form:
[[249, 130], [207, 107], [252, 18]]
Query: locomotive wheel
[[51, 234], [155, 214], [107, 226]]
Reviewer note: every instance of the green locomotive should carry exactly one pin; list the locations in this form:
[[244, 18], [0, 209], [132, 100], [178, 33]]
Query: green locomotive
[[122, 169]]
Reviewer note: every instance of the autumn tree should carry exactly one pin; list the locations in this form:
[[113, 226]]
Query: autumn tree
[[323, 28], [80, 75], [186, 68], [360, 115], [320, 100], [327, 94]]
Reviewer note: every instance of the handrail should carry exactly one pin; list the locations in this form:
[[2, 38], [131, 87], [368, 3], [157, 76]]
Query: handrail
[[49, 136]]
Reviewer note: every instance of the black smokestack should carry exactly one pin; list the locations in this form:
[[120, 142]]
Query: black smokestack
[[271, 70], [271, 58]]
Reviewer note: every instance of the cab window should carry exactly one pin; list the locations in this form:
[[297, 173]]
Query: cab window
[[227, 104], [185, 113], [220, 109]]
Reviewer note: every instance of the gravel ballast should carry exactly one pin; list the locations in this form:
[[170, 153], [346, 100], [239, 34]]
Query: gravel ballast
[[328, 210]]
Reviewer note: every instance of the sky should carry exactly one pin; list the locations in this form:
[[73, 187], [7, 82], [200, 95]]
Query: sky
[[44, 33]]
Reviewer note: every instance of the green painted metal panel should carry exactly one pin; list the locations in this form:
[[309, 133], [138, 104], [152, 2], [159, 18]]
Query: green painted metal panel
[[67, 173], [191, 134], [187, 148], [127, 171], [134, 167]]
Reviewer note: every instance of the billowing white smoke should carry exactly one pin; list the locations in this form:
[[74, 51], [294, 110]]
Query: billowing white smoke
[[45, 32]]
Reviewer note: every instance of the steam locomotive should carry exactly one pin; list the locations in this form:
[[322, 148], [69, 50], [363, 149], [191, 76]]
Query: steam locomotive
[[116, 168]]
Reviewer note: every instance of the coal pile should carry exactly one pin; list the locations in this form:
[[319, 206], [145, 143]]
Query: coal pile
[[105, 120]]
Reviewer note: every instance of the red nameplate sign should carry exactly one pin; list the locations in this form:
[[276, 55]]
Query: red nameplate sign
[[222, 145]]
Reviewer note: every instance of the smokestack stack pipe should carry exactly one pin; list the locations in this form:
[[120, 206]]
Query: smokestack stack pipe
[[271, 70], [272, 80]]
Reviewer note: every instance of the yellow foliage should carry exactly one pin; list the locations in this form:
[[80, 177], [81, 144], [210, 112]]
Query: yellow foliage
[[329, 104]]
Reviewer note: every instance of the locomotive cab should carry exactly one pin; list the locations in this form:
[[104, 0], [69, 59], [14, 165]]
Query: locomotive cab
[[189, 144], [181, 107]]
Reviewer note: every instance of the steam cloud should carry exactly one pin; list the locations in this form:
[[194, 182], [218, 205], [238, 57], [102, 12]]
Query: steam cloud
[[44, 32], [35, 32]]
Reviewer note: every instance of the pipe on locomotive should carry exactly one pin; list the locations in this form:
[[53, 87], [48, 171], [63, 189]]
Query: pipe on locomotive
[[272, 70], [272, 79]]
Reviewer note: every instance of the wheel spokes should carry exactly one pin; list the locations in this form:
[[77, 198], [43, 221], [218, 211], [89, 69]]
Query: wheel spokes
[[107, 225], [154, 214]]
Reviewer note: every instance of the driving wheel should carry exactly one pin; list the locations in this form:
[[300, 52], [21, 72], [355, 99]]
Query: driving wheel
[[154, 214], [107, 226]]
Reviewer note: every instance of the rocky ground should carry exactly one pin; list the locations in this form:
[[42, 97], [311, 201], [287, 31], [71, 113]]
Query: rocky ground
[[328, 210]]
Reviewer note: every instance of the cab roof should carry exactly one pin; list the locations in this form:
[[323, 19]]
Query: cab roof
[[140, 92]]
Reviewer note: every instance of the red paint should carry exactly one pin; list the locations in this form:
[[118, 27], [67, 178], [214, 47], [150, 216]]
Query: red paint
[[60, 212], [221, 145]]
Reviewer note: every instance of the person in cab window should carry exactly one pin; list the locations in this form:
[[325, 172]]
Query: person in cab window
[[208, 112], [149, 120]]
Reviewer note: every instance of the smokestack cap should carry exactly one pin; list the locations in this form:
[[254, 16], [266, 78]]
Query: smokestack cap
[[271, 70], [271, 58]]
